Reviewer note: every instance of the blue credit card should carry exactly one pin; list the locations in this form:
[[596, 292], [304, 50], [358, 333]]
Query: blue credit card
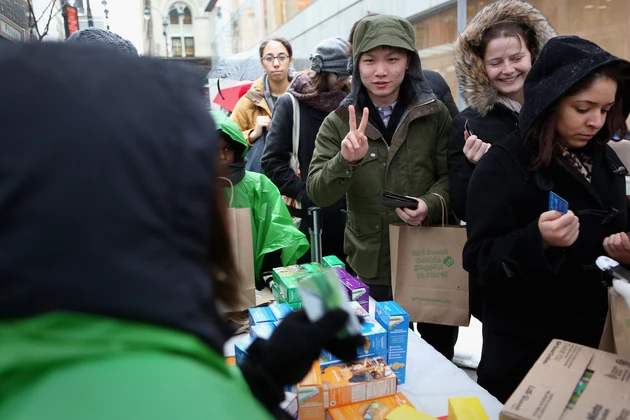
[[557, 203]]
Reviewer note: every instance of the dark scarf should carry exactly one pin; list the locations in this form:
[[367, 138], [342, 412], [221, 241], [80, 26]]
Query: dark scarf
[[303, 89], [363, 100], [236, 174]]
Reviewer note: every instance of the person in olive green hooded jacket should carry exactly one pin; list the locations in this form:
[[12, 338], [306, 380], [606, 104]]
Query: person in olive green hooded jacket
[[277, 241], [396, 140]]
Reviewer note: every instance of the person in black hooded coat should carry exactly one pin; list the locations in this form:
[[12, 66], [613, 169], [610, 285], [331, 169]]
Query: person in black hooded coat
[[115, 259], [538, 266]]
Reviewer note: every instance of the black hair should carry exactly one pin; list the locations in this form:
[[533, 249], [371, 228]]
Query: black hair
[[279, 39]]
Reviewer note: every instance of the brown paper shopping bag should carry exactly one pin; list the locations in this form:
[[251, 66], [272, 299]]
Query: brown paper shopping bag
[[240, 229], [616, 335], [428, 279]]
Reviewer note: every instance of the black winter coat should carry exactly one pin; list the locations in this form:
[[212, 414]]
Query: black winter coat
[[276, 164], [496, 125], [533, 295], [439, 86]]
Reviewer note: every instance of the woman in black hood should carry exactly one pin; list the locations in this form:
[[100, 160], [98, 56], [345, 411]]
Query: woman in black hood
[[538, 264]]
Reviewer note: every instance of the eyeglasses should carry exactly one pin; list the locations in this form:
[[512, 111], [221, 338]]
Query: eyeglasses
[[342, 77], [269, 58]]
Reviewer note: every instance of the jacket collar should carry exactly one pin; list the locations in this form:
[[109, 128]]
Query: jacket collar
[[256, 95]]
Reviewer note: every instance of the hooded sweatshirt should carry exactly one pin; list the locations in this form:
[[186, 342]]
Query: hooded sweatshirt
[[412, 163], [272, 226], [104, 226], [489, 117]]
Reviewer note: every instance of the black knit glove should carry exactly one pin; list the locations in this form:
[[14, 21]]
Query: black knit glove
[[288, 355]]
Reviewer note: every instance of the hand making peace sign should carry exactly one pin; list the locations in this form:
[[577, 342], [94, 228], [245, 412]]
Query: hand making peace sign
[[355, 146]]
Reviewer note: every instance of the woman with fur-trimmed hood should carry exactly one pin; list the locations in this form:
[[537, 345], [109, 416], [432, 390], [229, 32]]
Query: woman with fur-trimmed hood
[[492, 58]]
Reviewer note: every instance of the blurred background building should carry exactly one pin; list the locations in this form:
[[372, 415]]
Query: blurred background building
[[13, 20], [178, 30], [241, 25]]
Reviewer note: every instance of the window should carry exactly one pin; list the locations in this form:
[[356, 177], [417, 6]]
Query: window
[[187, 17], [177, 47], [189, 43], [173, 17]]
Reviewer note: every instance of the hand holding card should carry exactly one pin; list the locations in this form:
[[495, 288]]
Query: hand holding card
[[558, 230], [557, 203]]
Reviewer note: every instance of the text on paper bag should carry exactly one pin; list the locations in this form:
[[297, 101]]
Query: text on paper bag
[[431, 263]]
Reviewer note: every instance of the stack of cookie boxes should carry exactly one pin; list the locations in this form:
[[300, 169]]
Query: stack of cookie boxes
[[343, 391], [284, 286]]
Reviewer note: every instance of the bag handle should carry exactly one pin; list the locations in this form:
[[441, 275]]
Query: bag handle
[[231, 190], [444, 207]]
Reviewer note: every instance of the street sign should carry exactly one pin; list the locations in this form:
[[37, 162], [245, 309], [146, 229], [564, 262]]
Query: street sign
[[71, 20]]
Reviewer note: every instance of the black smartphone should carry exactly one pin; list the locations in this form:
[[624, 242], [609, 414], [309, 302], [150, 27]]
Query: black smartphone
[[393, 200], [468, 128]]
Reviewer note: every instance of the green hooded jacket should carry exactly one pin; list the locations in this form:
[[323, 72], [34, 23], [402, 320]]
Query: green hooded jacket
[[272, 225], [414, 164], [71, 366]]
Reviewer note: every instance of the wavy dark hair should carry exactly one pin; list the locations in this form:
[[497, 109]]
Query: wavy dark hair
[[542, 136], [279, 39]]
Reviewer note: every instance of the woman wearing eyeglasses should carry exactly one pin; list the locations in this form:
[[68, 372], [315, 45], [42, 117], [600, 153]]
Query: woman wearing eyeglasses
[[319, 92], [253, 111]]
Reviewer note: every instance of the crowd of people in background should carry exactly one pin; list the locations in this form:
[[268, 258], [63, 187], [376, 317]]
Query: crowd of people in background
[[116, 267]]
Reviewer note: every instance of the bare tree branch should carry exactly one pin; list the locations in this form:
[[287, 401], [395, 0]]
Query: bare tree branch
[[50, 8], [33, 20]]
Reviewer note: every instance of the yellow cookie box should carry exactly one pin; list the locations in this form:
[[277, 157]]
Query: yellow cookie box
[[466, 408], [406, 412], [376, 409]]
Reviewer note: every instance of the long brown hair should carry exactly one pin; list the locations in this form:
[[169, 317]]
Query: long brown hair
[[222, 266], [510, 28], [542, 136]]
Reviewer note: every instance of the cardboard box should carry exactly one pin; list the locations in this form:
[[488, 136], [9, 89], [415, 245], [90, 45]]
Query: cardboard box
[[286, 278], [260, 315], [378, 408], [332, 261], [570, 381], [277, 295], [280, 310], [312, 267], [466, 408], [240, 349], [290, 404], [375, 344], [263, 331], [311, 395], [358, 381], [395, 320], [356, 289], [405, 412], [358, 310]]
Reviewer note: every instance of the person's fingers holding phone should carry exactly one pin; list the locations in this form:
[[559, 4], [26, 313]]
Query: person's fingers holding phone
[[474, 148], [414, 217], [557, 229]]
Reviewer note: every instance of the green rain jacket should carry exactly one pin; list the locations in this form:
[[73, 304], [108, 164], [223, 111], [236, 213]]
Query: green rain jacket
[[413, 165], [69, 366], [272, 226]]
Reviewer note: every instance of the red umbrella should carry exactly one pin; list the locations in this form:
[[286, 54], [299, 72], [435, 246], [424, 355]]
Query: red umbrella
[[229, 96]]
